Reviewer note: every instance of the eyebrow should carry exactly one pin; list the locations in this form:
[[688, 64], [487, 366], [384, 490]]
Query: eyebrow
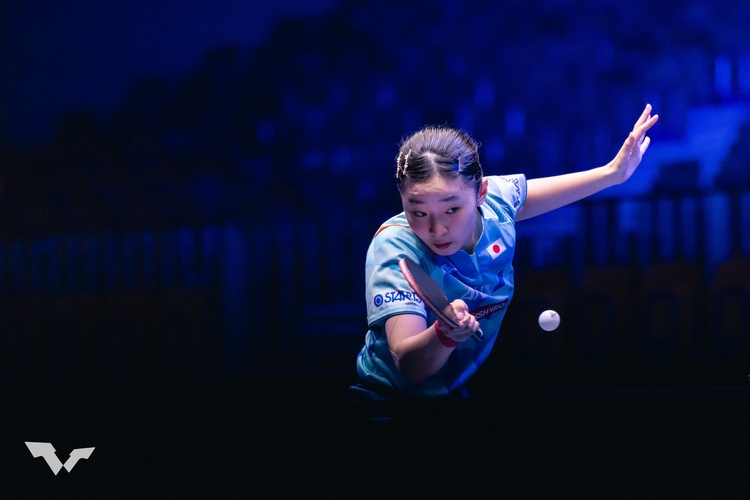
[[415, 201]]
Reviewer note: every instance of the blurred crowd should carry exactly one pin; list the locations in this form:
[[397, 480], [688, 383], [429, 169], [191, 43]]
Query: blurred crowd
[[308, 123]]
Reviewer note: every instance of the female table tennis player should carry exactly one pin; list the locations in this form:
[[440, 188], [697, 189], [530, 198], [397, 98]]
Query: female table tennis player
[[459, 226]]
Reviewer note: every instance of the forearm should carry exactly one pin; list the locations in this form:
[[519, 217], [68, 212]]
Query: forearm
[[418, 355], [550, 193]]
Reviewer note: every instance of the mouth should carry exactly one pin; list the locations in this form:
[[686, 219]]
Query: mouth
[[441, 246]]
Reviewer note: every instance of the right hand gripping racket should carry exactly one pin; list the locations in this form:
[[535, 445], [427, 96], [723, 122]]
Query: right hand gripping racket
[[431, 294]]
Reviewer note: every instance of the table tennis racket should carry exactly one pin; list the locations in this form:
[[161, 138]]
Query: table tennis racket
[[431, 294]]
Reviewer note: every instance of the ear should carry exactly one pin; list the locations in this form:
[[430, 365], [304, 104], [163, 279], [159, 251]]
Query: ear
[[482, 192]]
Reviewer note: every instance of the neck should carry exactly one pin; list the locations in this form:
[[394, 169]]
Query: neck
[[477, 232]]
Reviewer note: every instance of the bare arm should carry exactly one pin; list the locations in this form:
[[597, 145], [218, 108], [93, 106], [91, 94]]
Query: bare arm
[[416, 348], [549, 193]]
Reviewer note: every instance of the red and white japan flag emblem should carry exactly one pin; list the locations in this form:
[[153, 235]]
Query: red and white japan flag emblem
[[496, 248]]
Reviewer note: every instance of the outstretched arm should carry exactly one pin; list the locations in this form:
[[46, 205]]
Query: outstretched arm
[[549, 193]]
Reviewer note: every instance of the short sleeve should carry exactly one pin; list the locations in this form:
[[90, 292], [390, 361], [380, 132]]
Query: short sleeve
[[507, 192], [387, 291]]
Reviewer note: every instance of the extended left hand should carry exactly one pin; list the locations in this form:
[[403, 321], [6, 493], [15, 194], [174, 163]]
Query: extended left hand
[[632, 150]]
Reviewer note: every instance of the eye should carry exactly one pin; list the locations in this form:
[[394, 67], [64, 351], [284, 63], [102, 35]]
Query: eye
[[452, 210], [418, 214]]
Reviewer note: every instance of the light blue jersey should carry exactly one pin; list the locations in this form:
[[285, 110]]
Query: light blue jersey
[[484, 280]]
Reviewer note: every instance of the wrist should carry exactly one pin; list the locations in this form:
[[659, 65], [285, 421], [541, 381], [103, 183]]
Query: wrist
[[610, 175], [444, 339]]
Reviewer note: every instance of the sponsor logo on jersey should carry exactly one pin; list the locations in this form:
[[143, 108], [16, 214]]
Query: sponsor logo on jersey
[[517, 194], [487, 311], [396, 296]]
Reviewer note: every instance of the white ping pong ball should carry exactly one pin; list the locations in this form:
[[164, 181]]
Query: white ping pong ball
[[549, 320]]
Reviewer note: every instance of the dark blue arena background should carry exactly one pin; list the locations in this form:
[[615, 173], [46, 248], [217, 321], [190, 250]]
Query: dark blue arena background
[[188, 190]]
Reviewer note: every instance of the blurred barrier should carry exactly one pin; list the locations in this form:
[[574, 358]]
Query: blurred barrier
[[287, 298]]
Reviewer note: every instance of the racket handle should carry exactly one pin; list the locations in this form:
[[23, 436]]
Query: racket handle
[[478, 335]]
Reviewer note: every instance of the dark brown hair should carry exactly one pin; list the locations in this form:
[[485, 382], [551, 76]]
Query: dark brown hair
[[440, 150]]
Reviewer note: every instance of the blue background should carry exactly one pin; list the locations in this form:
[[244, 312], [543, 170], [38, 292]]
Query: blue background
[[188, 188]]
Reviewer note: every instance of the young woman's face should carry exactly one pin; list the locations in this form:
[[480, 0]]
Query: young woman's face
[[443, 212]]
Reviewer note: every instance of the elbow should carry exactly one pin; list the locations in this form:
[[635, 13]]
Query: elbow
[[411, 371], [414, 376]]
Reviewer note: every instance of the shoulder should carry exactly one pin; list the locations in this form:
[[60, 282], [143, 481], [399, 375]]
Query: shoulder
[[394, 240], [396, 234], [506, 192], [387, 291], [511, 188]]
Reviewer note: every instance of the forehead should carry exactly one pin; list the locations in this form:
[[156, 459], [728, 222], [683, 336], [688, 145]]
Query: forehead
[[436, 189]]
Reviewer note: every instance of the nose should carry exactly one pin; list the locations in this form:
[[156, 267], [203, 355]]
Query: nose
[[437, 227]]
